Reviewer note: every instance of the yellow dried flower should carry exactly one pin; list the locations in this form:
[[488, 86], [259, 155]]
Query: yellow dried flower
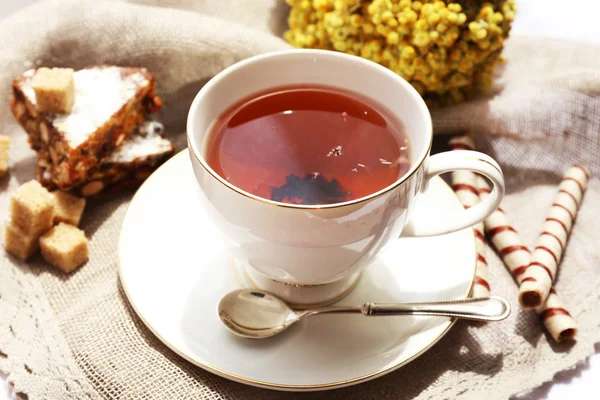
[[420, 25], [320, 4], [446, 49], [393, 38], [433, 19], [454, 7], [411, 16], [408, 52], [368, 29], [356, 20]]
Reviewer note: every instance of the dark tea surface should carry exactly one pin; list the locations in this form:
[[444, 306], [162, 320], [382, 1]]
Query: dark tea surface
[[308, 145]]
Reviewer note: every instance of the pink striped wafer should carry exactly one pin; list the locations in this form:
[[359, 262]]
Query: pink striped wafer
[[551, 242], [517, 258], [464, 184]]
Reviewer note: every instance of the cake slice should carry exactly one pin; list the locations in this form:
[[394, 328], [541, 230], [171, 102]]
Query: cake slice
[[140, 154], [109, 103]]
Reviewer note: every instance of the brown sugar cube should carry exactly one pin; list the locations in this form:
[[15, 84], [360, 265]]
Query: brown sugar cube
[[18, 243], [54, 89], [32, 208], [4, 146], [67, 208], [64, 247]]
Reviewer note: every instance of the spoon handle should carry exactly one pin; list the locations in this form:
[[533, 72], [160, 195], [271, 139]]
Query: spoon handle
[[480, 309]]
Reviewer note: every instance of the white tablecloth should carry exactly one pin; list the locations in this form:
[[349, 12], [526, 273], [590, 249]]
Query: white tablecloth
[[573, 19]]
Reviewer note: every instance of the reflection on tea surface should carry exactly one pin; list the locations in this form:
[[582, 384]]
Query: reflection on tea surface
[[308, 145]]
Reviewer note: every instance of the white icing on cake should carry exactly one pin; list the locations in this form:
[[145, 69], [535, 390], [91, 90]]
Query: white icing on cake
[[99, 93], [141, 145]]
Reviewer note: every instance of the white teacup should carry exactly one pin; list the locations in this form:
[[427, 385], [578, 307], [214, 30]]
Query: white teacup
[[312, 254]]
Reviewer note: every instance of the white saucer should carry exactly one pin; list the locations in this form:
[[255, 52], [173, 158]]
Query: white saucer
[[174, 270]]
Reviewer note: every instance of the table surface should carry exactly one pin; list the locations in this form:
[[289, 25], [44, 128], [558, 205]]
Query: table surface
[[577, 20]]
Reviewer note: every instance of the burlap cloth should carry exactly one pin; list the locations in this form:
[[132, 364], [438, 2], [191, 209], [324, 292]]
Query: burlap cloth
[[74, 337]]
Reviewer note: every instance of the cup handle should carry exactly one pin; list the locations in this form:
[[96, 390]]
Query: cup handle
[[461, 160]]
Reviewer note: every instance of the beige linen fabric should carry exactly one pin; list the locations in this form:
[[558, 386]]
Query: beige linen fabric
[[76, 337]]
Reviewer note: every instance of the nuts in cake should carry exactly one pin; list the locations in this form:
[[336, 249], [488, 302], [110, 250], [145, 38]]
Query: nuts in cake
[[68, 208], [54, 89], [19, 244], [92, 188], [109, 103], [32, 209], [140, 154], [4, 148], [64, 247]]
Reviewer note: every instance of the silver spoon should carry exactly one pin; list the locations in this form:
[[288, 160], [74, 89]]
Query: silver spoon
[[256, 314]]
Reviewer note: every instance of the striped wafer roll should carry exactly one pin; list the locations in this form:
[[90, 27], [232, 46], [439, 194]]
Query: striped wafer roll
[[505, 238], [481, 288], [557, 320], [541, 272], [464, 184], [516, 257], [462, 142]]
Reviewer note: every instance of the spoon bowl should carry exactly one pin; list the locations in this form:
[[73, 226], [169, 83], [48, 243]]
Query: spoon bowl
[[255, 313]]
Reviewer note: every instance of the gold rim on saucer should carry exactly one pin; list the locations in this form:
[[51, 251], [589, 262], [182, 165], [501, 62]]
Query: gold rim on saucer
[[269, 385]]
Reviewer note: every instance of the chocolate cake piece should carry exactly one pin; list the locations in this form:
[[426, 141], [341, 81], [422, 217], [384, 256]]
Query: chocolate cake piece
[[139, 155], [109, 103]]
